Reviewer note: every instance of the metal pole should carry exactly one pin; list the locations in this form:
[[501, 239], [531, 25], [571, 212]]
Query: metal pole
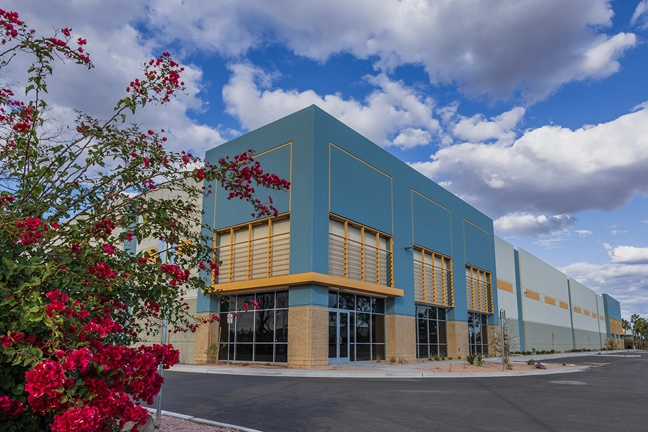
[[553, 345], [502, 318], [158, 411]]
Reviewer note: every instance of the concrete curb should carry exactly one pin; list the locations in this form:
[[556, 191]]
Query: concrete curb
[[203, 421], [377, 375], [375, 371]]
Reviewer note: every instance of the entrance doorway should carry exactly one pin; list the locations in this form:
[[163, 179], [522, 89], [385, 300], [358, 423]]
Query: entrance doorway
[[339, 332]]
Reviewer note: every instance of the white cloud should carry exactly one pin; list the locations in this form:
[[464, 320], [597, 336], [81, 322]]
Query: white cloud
[[411, 137], [478, 129], [550, 169], [486, 46], [629, 255], [118, 51], [640, 16], [390, 109], [527, 224], [645, 221], [615, 232], [607, 246], [600, 60], [583, 233]]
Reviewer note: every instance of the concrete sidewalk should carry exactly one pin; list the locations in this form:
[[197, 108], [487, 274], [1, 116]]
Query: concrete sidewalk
[[407, 370]]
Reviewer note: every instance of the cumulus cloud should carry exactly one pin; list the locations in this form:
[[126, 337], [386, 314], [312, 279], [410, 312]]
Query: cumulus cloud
[[478, 129], [583, 233], [118, 51], [486, 46], [527, 224], [640, 16], [626, 283], [629, 255], [392, 108], [551, 169]]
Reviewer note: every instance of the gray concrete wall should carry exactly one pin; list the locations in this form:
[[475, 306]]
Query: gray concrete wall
[[582, 341], [538, 336], [512, 330]]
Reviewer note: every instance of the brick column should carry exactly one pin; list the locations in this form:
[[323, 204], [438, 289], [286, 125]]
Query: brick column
[[458, 339], [206, 335], [307, 336], [401, 337]]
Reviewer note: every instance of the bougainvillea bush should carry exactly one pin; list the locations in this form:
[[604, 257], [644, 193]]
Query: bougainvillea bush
[[74, 301]]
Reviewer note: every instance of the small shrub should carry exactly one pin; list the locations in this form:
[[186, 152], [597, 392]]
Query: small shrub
[[430, 358], [479, 360], [401, 360], [212, 353], [530, 362], [443, 358], [470, 359], [379, 359], [509, 366], [392, 359], [437, 358], [459, 357], [449, 358]]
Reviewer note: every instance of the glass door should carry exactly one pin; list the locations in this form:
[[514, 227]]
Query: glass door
[[339, 326]]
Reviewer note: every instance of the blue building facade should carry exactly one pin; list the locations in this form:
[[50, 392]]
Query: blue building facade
[[367, 259]]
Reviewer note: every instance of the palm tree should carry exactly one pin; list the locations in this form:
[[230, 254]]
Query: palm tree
[[634, 319], [625, 325], [642, 331]]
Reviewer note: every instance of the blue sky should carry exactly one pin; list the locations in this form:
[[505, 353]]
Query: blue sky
[[534, 111]]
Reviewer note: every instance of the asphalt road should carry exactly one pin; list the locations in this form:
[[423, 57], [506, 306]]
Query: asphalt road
[[611, 396]]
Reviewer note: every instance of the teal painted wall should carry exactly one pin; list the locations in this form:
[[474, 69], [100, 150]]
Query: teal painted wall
[[612, 310], [237, 211], [432, 225], [359, 192], [367, 185]]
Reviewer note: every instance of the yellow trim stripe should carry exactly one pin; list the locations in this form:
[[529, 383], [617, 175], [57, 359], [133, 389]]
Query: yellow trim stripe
[[504, 286], [310, 278], [532, 295]]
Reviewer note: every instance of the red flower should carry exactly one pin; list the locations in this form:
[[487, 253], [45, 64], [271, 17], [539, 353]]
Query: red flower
[[108, 249], [66, 31]]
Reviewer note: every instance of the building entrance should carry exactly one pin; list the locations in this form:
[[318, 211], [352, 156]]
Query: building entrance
[[339, 332]]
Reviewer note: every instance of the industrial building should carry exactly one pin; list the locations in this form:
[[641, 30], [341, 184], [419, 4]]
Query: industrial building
[[369, 259]]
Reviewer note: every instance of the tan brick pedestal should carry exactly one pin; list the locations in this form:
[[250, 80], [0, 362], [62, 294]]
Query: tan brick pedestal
[[307, 336], [401, 337], [458, 339], [492, 348], [205, 336]]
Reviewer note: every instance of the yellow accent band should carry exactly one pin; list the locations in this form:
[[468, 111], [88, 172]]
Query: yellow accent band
[[550, 300], [504, 286], [532, 295], [310, 278], [577, 309], [564, 305]]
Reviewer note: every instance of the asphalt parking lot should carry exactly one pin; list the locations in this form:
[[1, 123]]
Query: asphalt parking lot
[[611, 396]]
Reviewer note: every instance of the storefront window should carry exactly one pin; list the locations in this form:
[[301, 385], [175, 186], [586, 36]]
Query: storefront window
[[255, 335], [363, 320], [431, 332]]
